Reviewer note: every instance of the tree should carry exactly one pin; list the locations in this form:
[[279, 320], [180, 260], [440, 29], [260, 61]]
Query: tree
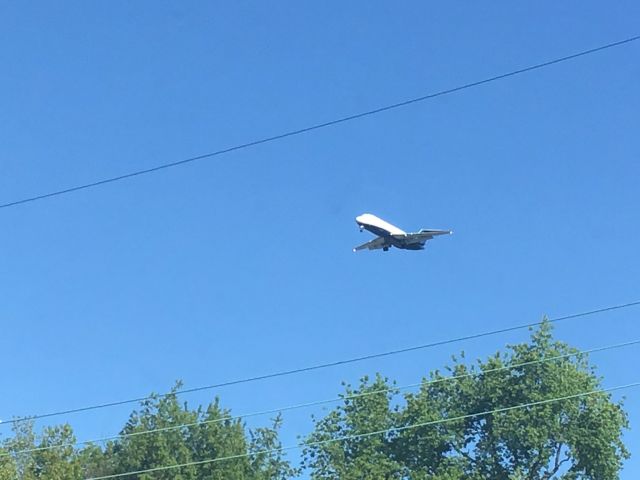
[[369, 457], [7, 465], [166, 447], [40, 461], [572, 439], [161, 433], [185, 436], [437, 433]]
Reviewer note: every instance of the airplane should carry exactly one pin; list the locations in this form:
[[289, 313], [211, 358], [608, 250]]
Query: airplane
[[391, 236]]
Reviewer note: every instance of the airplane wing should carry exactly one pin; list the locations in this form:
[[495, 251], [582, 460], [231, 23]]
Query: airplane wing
[[433, 233], [424, 234], [420, 237], [374, 244], [414, 237]]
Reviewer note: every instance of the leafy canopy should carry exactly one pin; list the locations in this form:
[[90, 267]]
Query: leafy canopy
[[573, 439]]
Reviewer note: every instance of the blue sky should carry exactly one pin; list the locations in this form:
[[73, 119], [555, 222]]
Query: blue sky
[[242, 265]]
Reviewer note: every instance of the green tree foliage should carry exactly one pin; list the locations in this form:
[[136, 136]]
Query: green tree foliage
[[7, 465], [40, 461], [209, 434], [574, 439], [362, 458]]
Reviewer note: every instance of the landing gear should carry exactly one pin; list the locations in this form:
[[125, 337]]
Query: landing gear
[[385, 249]]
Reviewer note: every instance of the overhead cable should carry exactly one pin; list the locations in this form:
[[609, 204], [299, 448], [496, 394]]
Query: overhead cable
[[320, 125], [424, 383], [294, 371], [368, 434]]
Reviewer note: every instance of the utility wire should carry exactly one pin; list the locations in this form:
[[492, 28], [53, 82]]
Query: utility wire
[[324, 365], [369, 434], [394, 389], [321, 125]]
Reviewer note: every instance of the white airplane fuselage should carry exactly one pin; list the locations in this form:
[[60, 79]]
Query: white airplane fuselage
[[391, 236]]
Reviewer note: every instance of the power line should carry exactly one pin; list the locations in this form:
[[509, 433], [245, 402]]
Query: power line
[[325, 365], [323, 402], [369, 434], [320, 125]]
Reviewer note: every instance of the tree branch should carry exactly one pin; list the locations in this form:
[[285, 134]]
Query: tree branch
[[557, 463]]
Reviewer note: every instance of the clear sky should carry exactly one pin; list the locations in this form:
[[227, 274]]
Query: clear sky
[[242, 265]]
